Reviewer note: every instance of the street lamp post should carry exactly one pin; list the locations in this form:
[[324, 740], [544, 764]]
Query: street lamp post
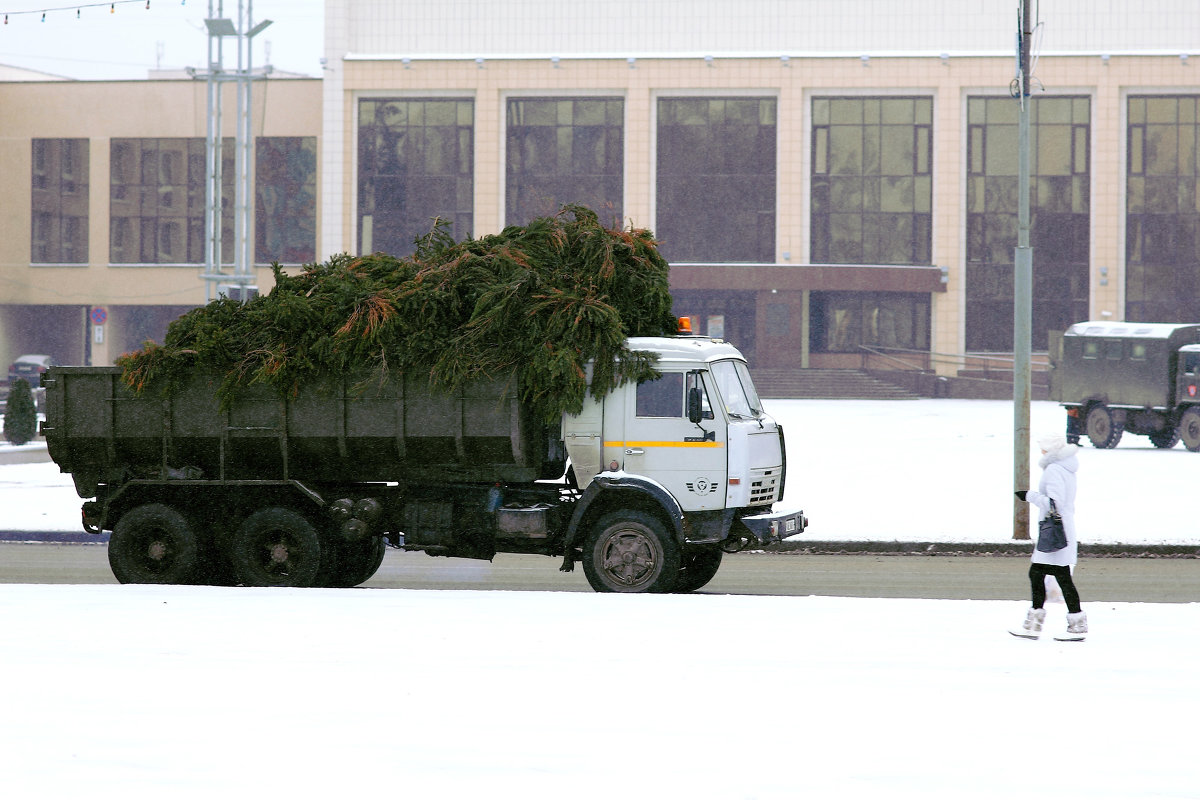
[[240, 281], [1022, 283]]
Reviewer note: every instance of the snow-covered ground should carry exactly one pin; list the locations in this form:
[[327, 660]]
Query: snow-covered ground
[[920, 470], [181, 692]]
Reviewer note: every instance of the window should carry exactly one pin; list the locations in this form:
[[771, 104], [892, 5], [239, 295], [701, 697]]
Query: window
[[1060, 206], [1162, 223], [1091, 349], [415, 166], [564, 150], [157, 201], [59, 184], [1137, 351], [872, 181], [715, 189], [845, 321], [736, 388], [285, 200], [662, 397], [1113, 349]]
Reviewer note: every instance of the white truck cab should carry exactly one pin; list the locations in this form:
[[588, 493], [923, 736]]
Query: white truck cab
[[695, 441]]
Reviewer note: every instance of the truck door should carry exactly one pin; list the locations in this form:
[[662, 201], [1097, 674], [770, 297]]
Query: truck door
[[662, 444]]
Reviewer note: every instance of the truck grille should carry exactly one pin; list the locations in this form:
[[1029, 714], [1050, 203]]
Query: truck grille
[[763, 487]]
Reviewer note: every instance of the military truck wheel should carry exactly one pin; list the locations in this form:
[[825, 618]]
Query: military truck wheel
[[1100, 428], [1189, 429], [1165, 439], [700, 565], [357, 562], [153, 543], [630, 551], [276, 547]]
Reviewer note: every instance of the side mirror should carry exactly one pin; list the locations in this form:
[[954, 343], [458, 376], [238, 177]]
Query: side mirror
[[695, 411]]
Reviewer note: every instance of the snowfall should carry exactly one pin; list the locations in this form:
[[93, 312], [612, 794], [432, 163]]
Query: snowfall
[[180, 692]]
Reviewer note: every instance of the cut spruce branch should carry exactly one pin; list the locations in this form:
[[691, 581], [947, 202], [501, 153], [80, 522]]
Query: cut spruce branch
[[536, 302]]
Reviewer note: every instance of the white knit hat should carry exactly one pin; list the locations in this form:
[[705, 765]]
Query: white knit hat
[[1052, 443]]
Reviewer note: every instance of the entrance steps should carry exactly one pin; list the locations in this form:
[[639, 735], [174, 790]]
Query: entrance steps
[[811, 384]]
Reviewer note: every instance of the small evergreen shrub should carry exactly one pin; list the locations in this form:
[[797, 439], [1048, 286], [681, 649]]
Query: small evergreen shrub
[[20, 417]]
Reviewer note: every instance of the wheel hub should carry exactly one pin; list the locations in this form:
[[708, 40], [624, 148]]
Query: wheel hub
[[279, 553], [157, 550]]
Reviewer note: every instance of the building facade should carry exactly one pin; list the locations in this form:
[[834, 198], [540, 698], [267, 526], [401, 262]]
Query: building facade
[[826, 179], [102, 231]]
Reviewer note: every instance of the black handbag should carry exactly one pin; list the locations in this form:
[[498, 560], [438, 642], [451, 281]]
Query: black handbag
[[1052, 537]]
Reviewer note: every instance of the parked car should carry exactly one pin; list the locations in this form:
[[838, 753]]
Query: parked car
[[30, 367]]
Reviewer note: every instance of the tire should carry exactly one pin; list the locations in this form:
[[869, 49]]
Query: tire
[[153, 543], [700, 565], [355, 563], [1165, 439], [362, 564], [275, 547], [630, 551], [1100, 428], [1189, 429]]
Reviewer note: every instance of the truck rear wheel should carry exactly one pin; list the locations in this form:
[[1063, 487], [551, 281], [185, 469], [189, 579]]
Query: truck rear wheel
[[1100, 428], [1189, 429], [700, 565], [276, 547], [630, 551], [1165, 439], [357, 562], [153, 543]]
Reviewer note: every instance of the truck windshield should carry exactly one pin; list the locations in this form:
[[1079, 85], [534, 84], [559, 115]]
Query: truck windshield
[[736, 388]]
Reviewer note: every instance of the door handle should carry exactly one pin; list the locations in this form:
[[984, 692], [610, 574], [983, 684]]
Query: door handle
[[634, 452]]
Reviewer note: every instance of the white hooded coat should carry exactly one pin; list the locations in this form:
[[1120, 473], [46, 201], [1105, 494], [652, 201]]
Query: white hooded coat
[[1058, 483]]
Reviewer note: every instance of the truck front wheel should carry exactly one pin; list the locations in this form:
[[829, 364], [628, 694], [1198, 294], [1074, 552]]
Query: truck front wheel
[[153, 543], [631, 551], [1189, 429], [276, 547], [1100, 428]]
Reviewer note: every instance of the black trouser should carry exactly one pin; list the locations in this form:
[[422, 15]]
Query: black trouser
[[1037, 581]]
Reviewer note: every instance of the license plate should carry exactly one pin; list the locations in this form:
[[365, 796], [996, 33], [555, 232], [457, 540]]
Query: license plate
[[790, 525]]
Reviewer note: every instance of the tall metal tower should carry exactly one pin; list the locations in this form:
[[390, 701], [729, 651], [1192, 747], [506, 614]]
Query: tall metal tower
[[239, 282]]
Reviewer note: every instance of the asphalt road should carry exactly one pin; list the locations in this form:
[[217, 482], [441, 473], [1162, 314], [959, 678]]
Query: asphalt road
[[1152, 580]]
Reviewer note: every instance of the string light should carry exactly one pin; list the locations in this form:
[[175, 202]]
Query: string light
[[44, 12]]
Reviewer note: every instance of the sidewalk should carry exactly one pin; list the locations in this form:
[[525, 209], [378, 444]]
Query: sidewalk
[[32, 453]]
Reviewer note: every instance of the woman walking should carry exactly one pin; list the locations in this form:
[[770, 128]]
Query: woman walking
[[1057, 484]]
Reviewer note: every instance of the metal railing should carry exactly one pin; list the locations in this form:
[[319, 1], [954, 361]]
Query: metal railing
[[900, 359]]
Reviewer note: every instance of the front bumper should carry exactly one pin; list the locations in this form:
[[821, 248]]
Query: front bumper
[[770, 528]]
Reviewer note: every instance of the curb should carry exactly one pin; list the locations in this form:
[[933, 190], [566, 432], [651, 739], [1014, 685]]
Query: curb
[[1004, 549], [822, 548], [25, 454]]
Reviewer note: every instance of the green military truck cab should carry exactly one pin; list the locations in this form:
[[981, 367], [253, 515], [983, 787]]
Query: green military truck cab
[[1114, 377]]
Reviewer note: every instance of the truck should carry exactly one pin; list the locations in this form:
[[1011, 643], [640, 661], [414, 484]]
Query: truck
[[648, 485], [1139, 377]]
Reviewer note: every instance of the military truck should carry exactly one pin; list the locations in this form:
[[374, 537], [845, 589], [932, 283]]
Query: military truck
[[648, 485], [1114, 377]]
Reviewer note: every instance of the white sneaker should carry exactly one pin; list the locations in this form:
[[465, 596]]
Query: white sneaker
[[1032, 627]]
